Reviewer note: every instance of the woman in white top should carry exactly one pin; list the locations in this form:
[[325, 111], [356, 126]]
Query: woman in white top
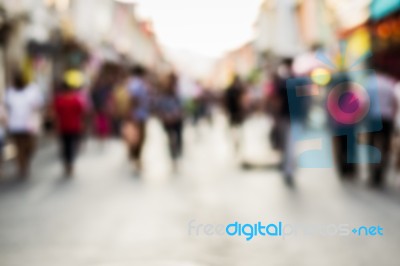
[[23, 102]]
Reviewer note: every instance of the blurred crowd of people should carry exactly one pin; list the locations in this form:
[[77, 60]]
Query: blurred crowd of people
[[351, 118], [119, 101]]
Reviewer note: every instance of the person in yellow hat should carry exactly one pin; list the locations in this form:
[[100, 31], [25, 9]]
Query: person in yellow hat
[[69, 108]]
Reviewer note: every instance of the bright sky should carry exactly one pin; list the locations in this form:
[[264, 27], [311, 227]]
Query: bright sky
[[207, 27]]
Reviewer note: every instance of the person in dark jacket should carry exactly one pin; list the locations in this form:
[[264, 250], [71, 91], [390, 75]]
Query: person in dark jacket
[[285, 121], [233, 97], [171, 112]]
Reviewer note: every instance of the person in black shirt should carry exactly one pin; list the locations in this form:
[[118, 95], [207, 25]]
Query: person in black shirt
[[233, 96], [284, 120]]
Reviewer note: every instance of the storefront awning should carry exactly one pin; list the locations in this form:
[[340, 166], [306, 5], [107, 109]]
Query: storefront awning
[[383, 8]]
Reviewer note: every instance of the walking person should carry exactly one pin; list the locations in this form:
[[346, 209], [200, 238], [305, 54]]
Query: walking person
[[135, 126], [23, 102], [121, 103], [233, 100], [386, 112], [101, 98], [3, 126], [69, 109], [344, 147], [171, 113], [285, 122]]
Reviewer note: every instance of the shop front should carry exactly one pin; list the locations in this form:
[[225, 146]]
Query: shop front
[[384, 28], [385, 38]]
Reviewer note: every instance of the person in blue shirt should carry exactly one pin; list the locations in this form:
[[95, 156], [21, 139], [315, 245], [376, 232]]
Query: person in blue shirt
[[140, 104]]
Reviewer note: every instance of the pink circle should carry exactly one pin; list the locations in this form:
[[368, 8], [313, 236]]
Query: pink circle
[[348, 105]]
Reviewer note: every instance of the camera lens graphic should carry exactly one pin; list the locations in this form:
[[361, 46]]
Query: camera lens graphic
[[348, 103]]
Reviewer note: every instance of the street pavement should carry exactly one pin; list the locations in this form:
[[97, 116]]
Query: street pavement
[[109, 215]]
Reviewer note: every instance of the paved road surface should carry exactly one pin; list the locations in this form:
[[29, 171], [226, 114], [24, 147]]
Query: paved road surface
[[107, 215]]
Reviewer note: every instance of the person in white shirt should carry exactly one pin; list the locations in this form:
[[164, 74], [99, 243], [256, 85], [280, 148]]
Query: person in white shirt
[[23, 102]]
